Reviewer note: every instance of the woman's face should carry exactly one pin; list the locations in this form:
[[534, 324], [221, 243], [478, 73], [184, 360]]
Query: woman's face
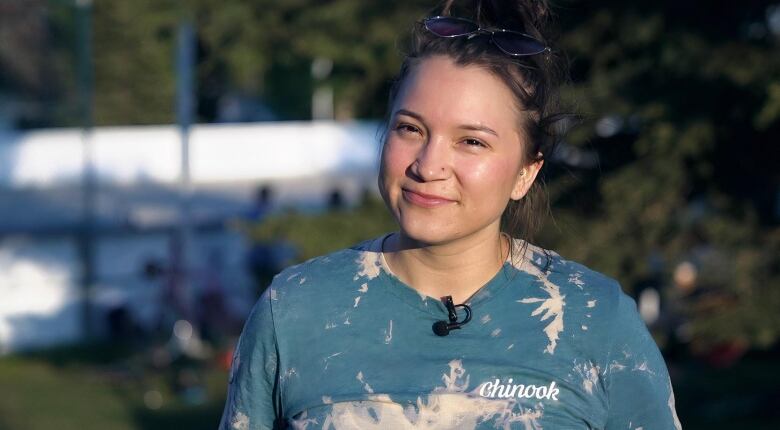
[[452, 159]]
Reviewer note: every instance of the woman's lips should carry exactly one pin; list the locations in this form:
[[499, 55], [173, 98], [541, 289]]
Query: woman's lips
[[425, 200]]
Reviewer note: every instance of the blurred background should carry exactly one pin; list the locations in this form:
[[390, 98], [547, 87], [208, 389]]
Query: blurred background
[[161, 160]]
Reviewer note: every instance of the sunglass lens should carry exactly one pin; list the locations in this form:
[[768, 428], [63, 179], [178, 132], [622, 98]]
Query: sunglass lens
[[446, 27], [517, 44]]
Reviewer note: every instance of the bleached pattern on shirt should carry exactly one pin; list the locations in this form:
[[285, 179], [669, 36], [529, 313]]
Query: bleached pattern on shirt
[[369, 267], [288, 374], [363, 381], [369, 264], [588, 373], [389, 333], [576, 279], [634, 363], [330, 324], [552, 306], [446, 407], [327, 359], [362, 290], [670, 403], [302, 422], [642, 367], [271, 362], [239, 421], [615, 366]]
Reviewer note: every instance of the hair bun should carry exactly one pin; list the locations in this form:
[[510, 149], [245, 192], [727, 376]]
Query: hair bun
[[527, 16]]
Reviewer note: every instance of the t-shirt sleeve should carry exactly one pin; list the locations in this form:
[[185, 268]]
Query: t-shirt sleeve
[[637, 380], [253, 400]]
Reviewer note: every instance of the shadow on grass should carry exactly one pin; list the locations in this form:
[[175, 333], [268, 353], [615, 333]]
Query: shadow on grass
[[194, 418], [744, 396], [91, 354]]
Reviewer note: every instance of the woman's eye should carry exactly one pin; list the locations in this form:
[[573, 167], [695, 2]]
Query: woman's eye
[[406, 128], [473, 142]]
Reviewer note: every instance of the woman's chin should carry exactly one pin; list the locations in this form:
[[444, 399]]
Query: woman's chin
[[426, 234]]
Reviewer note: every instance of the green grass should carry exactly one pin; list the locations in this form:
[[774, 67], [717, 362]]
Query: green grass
[[76, 388], [36, 395]]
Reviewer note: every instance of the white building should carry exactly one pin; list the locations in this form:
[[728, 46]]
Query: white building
[[137, 200]]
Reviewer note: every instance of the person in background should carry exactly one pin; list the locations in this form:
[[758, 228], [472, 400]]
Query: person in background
[[261, 256], [262, 205]]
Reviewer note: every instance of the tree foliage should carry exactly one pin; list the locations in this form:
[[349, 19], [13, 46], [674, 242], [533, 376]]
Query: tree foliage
[[690, 172], [268, 47], [134, 61]]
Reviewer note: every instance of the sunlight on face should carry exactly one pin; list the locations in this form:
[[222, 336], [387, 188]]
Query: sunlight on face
[[452, 158]]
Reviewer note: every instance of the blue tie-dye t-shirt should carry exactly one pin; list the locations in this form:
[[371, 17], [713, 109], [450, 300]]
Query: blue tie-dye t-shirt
[[339, 342]]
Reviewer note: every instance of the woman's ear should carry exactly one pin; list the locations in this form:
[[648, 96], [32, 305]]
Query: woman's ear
[[525, 178]]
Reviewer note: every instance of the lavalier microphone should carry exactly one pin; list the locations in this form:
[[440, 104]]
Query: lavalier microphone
[[442, 328]]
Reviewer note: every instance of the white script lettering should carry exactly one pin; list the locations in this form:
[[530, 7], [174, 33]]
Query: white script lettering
[[497, 389]]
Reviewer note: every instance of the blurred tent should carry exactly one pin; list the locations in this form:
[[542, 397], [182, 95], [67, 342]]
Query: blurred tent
[[137, 169]]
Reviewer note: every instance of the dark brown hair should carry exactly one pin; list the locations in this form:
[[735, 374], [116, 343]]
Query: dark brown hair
[[534, 81]]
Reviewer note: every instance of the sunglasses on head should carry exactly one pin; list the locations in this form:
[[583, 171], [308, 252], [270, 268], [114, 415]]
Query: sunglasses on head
[[510, 42]]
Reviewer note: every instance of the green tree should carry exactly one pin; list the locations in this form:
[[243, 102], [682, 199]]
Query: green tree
[[694, 165], [266, 48], [37, 74], [134, 61]]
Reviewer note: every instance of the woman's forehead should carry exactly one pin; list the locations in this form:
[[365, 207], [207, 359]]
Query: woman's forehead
[[440, 90]]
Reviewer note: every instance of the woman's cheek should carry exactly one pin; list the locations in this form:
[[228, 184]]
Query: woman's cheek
[[486, 177], [390, 170], [397, 159], [477, 172]]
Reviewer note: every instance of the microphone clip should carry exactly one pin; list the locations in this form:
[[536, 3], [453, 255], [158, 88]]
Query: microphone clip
[[443, 328]]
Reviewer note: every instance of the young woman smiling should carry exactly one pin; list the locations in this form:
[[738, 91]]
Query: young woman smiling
[[455, 321]]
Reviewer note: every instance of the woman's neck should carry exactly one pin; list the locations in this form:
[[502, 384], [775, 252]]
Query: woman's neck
[[457, 268]]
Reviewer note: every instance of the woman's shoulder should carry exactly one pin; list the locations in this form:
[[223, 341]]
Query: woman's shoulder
[[578, 285], [342, 266]]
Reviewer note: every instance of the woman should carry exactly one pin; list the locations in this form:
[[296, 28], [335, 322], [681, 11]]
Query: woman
[[455, 321]]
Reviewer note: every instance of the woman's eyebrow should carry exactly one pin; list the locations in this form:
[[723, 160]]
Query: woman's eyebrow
[[478, 127], [407, 112], [475, 127]]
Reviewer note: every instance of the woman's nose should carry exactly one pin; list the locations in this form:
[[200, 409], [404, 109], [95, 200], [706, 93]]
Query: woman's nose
[[432, 162]]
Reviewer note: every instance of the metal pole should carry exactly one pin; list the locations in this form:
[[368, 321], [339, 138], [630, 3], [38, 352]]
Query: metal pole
[[185, 54], [87, 231]]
